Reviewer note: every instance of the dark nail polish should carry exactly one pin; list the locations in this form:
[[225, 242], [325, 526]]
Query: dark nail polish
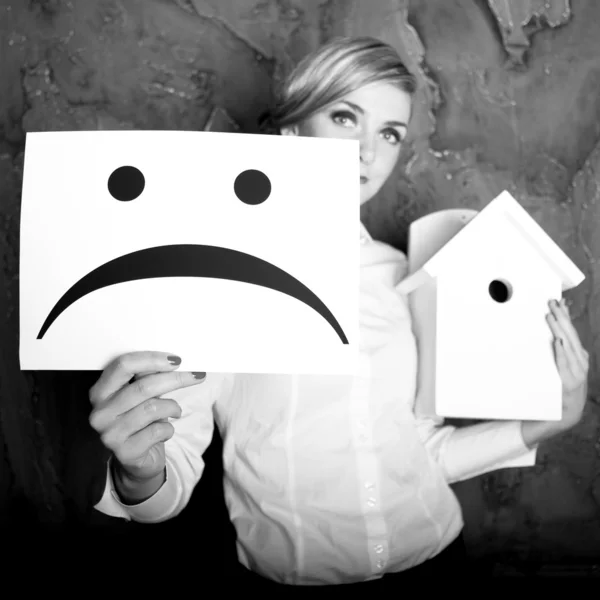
[[174, 360], [198, 375]]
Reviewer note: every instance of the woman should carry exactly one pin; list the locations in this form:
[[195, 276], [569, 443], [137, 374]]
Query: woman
[[328, 480]]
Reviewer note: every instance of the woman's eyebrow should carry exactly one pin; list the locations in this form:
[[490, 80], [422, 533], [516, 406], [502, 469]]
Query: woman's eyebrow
[[361, 110]]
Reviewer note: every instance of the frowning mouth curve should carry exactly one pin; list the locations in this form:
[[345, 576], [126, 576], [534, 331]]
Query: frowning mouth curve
[[191, 260]]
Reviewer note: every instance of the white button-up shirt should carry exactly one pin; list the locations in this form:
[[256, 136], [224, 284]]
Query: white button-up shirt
[[332, 479]]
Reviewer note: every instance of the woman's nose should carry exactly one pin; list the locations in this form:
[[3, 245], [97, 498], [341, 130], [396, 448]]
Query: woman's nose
[[367, 151]]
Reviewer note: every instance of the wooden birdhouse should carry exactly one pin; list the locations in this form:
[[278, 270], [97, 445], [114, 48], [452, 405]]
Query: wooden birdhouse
[[479, 286]]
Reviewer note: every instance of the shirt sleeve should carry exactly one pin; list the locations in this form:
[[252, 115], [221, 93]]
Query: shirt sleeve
[[183, 453], [466, 452]]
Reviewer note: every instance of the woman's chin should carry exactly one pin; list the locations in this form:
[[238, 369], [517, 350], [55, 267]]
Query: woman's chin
[[365, 196], [368, 191]]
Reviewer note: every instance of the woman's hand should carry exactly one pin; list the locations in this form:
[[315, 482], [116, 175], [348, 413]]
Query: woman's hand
[[572, 361], [130, 415]]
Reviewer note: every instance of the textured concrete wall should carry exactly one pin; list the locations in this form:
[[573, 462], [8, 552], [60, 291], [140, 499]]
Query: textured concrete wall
[[510, 98]]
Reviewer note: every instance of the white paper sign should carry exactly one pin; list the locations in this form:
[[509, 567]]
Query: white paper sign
[[237, 252]]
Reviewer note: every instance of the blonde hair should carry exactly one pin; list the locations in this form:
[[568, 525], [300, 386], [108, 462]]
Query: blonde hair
[[334, 70]]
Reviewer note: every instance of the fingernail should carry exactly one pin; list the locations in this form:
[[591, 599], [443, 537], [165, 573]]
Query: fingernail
[[198, 375], [174, 360]]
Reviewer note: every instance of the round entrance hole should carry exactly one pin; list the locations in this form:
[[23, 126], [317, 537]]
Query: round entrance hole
[[500, 290]]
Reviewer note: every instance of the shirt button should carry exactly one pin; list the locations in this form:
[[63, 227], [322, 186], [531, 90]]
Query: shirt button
[[371, 502], [378, 548], [369, 486], [380, 564]]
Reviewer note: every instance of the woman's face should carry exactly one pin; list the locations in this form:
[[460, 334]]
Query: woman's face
[[377, 116]]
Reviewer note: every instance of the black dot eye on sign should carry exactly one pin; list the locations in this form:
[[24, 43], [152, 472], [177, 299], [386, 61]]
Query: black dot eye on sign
[[252, 187], [126, 183]]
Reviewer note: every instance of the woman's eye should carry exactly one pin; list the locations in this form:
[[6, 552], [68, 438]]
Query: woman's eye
[[343, 118], [392, 136]]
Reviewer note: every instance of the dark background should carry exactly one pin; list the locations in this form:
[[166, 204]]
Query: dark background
[[509, 100]]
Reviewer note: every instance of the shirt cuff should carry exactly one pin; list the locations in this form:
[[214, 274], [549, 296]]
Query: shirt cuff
[[499, 445], [159, 507], [522, 456]]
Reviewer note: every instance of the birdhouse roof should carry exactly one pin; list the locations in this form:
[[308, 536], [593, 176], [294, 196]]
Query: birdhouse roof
[[505, 210]]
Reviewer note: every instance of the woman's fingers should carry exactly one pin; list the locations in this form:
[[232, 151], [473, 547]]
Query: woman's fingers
[[153, 410], [562, 327], [123, 369]]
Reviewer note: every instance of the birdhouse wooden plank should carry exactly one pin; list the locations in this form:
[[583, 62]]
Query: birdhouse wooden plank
[[479, 288]]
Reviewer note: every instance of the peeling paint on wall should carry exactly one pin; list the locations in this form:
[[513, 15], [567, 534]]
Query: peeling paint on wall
[[520, 19]]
